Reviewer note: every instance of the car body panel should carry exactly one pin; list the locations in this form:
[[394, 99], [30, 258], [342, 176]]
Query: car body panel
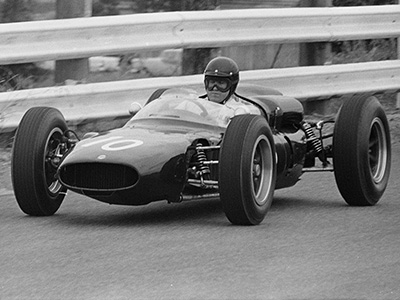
[[149, 158]]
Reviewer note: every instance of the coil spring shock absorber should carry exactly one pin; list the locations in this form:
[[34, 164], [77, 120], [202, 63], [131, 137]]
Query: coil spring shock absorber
[[315, 142], [311, 137], [203, 171]]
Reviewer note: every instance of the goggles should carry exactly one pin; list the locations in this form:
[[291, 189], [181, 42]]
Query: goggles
[[222, 84]]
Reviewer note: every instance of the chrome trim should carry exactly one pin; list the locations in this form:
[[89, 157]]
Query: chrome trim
[[318, 169], [198, 197], [203, 183]]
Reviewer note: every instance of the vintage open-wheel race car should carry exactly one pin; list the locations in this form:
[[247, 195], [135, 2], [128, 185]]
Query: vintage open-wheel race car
[[175, 149]]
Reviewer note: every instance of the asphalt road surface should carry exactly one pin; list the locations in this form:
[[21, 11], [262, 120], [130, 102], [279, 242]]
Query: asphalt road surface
[[310, 246]]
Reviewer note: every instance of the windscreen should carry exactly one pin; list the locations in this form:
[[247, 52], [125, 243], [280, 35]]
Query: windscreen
[[191, 109]]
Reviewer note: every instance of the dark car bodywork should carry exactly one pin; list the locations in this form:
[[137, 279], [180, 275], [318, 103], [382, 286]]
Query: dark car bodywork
[[177, 147], [147, 160]]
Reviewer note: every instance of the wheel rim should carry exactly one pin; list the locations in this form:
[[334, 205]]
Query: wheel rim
[[262, 168], [377, 151], [51, 154]]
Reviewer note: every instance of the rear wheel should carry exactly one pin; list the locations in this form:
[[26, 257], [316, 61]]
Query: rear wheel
[[361, 151], [35, 158], [247, 170]]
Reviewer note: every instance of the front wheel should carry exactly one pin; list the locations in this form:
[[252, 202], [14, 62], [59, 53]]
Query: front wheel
[[361, 151], [36, 154], [247, 170]]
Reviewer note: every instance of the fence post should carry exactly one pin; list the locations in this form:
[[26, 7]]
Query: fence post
[[75, 69], [315, 53]]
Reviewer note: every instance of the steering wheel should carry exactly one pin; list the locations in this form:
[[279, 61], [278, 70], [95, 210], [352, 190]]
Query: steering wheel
[[175, 113], [204, 111]]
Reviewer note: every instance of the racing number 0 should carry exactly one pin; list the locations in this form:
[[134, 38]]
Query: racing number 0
[[115, 143]]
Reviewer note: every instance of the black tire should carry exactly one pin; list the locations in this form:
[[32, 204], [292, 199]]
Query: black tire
[[156, 94], [247, 170], [361, 151], [36, 188]]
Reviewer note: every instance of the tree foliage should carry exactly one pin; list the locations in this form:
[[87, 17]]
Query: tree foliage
[[110, 7], [15, 11], [105, 7], [174, 5], [364, 50], [362, 2]]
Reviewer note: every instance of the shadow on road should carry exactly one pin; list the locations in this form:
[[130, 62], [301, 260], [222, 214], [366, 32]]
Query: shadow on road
[[282, 203], [202, 212], [197, 212]]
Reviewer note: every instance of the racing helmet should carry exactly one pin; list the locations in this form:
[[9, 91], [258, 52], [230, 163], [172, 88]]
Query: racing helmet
[[222, 68]]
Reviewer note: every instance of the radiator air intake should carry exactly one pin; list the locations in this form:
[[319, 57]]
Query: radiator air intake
[[98, 176]]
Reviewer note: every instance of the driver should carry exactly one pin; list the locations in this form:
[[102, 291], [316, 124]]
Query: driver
[[221, 78]]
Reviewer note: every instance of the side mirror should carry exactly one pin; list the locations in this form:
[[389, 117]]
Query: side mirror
[[134, 108]]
